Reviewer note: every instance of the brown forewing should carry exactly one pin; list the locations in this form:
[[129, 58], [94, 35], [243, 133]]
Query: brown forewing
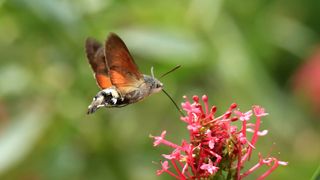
[[123, 71], [96, 58]]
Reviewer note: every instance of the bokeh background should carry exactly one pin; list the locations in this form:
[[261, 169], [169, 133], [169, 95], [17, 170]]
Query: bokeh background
[[249, 52]]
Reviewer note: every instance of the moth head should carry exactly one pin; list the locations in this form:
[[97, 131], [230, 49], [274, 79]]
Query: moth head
[[154, 84], [157, 86]]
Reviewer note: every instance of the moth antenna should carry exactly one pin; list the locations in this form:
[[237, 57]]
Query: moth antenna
[[175, 104], [173, 69], [152, 74]]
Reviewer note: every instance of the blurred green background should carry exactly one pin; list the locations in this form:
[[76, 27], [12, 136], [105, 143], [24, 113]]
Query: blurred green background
[[248, 52]]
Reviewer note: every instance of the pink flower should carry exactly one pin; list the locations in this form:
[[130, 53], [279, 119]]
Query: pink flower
[[174, 155], [259, 111], [265, 161], [210, 168], [159, 139], [216, 144], [260, 133], [243, 116], [165, 167], [194, 128], [191, 108], [212, 140]]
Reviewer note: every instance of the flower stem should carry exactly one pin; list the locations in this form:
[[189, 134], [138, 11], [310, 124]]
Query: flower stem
[[239, 162], [172, 174], [267, 173], [255, 167], [316, 173], [177, 169]]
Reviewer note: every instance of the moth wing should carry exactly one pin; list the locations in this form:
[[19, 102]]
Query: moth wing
[[123, 71], [97, 61]]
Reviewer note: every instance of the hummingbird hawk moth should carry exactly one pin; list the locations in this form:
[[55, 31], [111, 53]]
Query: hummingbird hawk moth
[[117, 75]]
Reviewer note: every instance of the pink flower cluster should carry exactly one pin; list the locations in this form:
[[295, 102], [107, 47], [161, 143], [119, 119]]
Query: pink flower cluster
[[217, 147]]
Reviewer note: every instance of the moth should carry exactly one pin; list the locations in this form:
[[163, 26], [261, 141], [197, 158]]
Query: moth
[[117, 75]]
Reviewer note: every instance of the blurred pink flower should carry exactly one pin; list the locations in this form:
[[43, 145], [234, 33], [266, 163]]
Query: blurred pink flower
[[216, 147], [306, 80]]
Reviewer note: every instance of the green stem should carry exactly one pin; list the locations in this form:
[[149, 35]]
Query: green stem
[[316, 174]]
